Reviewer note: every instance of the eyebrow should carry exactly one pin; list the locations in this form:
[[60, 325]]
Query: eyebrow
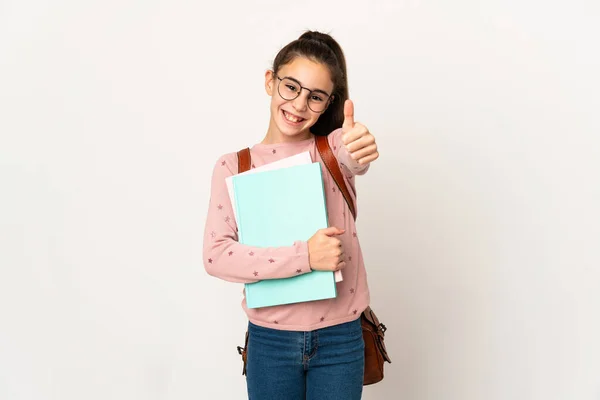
[[315, 90]]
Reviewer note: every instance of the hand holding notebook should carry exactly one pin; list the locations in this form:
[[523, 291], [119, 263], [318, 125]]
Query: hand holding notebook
[[326, 250]]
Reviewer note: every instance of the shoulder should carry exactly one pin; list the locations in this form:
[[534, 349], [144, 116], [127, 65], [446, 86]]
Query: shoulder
[[335, 139], [226, 164]]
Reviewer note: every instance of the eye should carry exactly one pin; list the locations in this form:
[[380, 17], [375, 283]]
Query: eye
[[316, 98], [291, 88]]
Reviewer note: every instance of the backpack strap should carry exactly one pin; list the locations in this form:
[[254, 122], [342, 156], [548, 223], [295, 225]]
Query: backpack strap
[[334, 169], [244, 164], [244, 161]]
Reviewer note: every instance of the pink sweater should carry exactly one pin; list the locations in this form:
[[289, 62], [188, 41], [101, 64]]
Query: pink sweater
[[227, 259]]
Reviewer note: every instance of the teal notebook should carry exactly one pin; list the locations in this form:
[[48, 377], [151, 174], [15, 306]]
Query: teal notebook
[[276, 208]]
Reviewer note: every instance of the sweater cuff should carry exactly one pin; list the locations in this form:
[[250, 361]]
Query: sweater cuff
[[301, 247], [351, 164]]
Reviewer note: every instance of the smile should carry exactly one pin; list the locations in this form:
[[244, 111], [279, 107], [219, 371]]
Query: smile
[[292, 118]]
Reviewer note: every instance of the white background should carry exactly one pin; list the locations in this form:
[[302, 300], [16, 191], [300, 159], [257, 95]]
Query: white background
[[479, 223]]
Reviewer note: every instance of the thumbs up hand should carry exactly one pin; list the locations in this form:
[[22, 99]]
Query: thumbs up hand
[[359, 142]]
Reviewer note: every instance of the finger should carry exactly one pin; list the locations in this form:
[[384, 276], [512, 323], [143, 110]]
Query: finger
[[369, 159], [332, 231], [340, 265], [338, 255], [364, 152], [355, 133], [348, 116], [361, 139]]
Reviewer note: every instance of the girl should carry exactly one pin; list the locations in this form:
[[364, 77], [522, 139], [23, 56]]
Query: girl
[[311, 350]]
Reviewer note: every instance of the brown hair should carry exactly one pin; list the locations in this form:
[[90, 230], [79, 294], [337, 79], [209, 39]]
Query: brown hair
[[324, 49]]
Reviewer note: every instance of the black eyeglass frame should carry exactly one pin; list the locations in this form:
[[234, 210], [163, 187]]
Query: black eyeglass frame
[[330, 97]]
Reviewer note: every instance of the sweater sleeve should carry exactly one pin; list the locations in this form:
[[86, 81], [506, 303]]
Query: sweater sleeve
[[226, 258], [349, 166]]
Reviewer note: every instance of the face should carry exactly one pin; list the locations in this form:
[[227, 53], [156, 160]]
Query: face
[[291, 119]]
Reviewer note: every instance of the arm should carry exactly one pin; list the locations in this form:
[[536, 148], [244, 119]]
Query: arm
[[225, 258]]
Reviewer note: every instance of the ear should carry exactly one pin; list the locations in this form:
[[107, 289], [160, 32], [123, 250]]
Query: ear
[[331, 100], [269, 82]]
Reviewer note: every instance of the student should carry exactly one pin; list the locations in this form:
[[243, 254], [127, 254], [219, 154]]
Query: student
[[312, 350]]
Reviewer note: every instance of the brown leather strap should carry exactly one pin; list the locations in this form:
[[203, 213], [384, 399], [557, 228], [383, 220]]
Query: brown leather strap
[[334, 169], [244, 162]]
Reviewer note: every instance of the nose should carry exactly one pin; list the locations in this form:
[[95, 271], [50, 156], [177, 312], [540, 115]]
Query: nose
[[300, 103]]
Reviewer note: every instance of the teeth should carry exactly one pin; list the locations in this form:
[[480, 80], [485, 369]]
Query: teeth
[[291, 118]]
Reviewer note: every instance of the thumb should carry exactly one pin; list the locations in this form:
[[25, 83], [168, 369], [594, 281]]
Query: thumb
[[348, 116], [333, 231]]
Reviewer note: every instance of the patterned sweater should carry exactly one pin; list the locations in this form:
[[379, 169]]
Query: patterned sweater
[[227, 259]]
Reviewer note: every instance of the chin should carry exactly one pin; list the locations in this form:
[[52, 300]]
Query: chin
[[294, 133]]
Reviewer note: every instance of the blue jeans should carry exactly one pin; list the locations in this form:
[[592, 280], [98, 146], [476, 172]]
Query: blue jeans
[[325, 364]]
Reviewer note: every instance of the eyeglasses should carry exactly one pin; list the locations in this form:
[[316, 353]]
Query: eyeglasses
[[290, 89]]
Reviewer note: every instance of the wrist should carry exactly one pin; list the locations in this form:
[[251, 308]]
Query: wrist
[[304, 247]]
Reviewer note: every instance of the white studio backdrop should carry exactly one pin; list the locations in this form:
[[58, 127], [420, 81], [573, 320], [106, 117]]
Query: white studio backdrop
[[479, 223]]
